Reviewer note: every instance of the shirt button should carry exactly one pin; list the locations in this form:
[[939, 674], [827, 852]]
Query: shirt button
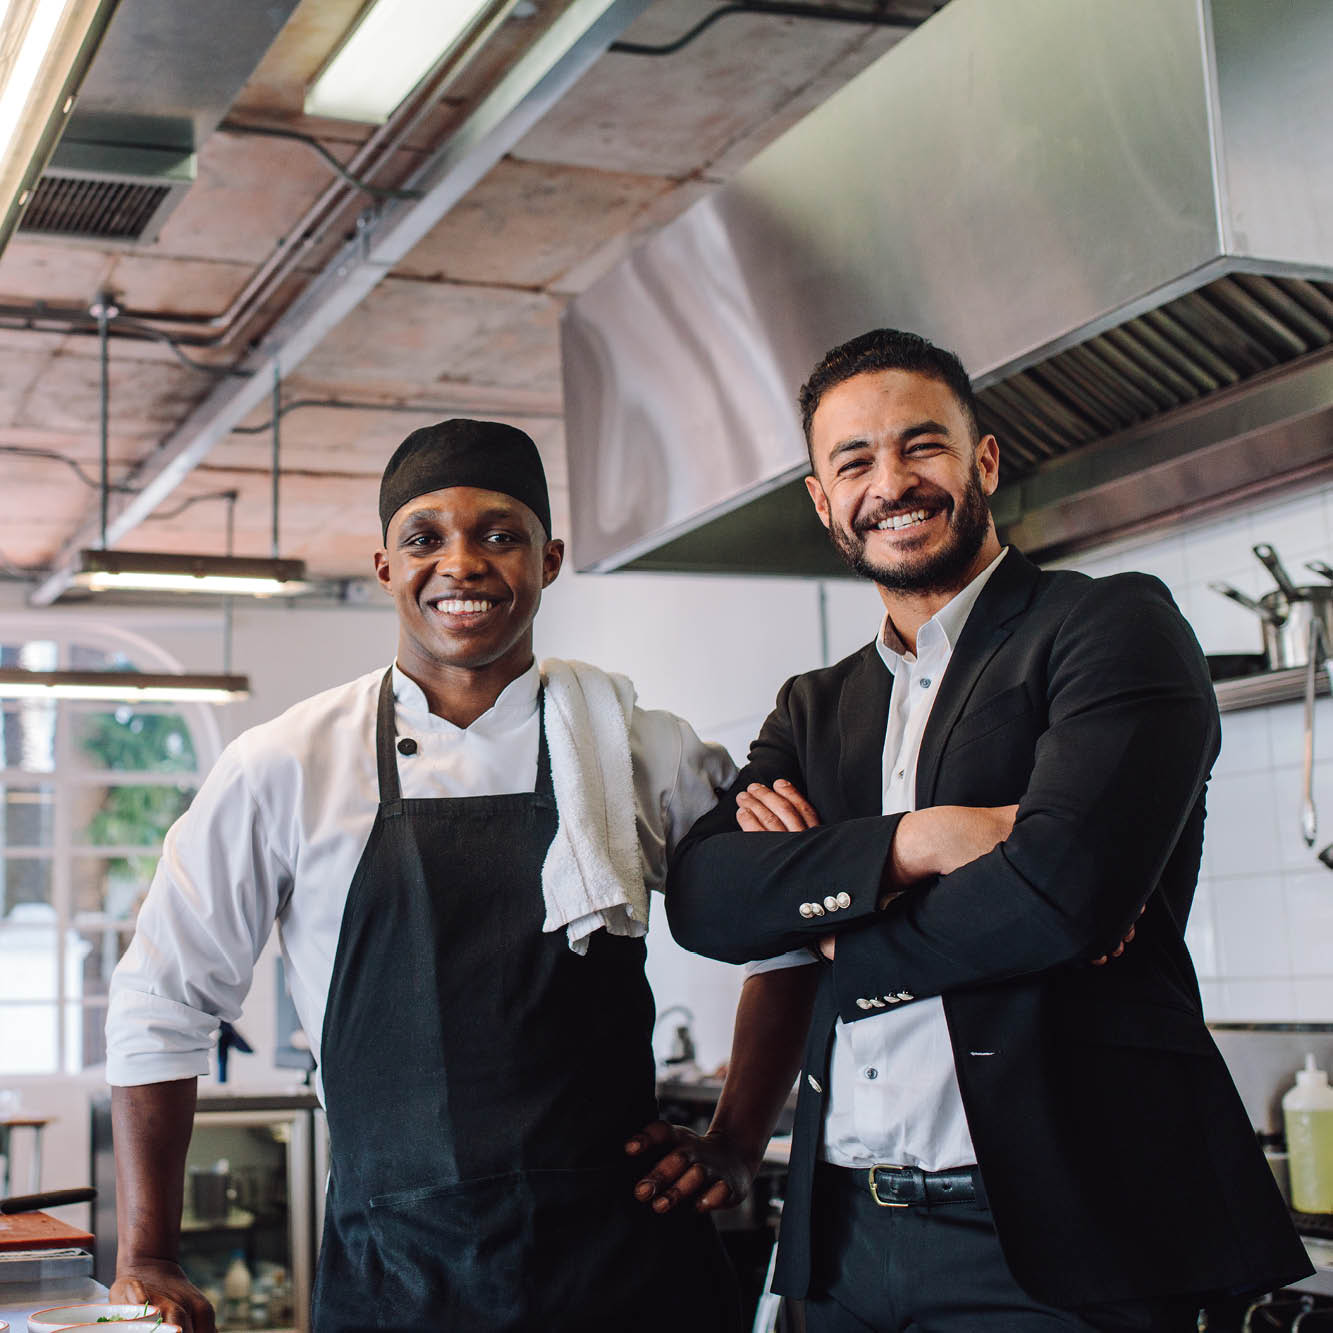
[[872, 1073], [902, 772], [407, 746], [925, 682]]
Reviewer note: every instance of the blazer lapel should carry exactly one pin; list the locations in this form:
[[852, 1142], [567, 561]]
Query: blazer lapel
[[863, 715], [1004, 597]]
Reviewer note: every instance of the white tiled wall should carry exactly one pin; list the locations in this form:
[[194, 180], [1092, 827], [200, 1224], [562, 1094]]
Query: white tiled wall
[[1262, 927]]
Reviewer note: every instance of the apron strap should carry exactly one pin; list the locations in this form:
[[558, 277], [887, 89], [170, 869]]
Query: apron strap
[[385, 756], [544, 788]]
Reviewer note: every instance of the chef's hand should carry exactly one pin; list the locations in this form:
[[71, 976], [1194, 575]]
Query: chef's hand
[[162, 1283], [704, 1167], [1119, 948], [776, 809]]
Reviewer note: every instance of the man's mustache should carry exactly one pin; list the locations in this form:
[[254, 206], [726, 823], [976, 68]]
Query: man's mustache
[[905, 504]]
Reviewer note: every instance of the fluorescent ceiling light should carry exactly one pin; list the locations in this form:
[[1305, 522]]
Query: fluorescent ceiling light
[[122, 686], [45, 49], [153, 571], [391, 49]]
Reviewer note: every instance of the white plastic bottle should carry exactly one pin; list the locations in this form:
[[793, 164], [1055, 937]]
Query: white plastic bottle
[[1307, 1112], [236, 1286]]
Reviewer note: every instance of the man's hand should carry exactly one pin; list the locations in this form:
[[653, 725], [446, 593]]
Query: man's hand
[[776, 809], [1119, 948], [704, 1167], [162, 1284]]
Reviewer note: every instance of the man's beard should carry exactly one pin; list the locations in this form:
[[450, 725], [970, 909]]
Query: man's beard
[[941, 571]]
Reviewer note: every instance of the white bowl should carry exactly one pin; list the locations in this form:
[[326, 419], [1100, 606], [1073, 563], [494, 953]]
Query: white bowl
[[135, 1324], [71, 1316]]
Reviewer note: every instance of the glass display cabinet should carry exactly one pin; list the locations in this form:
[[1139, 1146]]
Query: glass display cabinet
[[248, 1231]]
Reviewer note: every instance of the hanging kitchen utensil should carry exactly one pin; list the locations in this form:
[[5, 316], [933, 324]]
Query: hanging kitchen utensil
[[1286, 613], [1269, 559], [1319, 648]]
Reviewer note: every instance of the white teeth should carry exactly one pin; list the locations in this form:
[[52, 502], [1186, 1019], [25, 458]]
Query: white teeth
[[457, 607], [897, 521]]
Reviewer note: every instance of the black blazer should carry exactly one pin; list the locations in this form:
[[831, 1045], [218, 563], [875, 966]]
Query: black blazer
[[1117, 1158]]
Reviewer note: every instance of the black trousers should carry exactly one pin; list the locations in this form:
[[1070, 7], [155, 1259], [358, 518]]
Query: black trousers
[[936, 1268]]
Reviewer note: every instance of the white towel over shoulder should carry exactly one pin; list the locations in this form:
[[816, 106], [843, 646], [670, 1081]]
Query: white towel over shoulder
[[593, 874]]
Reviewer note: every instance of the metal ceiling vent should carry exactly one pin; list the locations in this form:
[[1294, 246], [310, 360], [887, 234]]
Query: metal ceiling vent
[[163, 77], [100, 207]]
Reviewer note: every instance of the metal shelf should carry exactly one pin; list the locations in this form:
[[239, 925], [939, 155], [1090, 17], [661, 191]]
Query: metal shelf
[[1268, 687]]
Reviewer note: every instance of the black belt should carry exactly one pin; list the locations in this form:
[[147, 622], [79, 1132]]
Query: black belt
[[900, 1186]]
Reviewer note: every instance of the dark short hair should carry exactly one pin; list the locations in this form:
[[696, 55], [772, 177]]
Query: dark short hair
[[886, 349]]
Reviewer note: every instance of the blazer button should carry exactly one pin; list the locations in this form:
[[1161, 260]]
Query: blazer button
[[877, 1002], [813, 1082], [844, 899], [863, 1003], [831, 903], [816, 909], [891, 999], [806, 909], [906, 995]]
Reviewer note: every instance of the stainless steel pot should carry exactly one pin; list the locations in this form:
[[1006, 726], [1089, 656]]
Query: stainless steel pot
[[1286, 613]]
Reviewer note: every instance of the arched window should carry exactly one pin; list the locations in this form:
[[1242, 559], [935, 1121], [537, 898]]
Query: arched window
[[87, 791]]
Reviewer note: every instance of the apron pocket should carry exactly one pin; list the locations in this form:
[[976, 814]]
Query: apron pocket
[[550, 1250]]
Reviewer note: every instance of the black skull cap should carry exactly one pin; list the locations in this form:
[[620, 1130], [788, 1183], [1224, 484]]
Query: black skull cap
[[487, 454]]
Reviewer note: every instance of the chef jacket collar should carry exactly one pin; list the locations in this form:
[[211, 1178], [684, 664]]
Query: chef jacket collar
[[517, 703]]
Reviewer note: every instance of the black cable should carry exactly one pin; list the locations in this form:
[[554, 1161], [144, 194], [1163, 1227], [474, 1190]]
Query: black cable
[[176, 510], [73, 464], [272, 132], [782, 8], [158, 335]]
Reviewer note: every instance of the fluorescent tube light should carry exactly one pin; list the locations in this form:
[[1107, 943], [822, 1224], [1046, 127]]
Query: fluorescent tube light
[[45, 49], [122, 686], [390, 50], [154, 571]]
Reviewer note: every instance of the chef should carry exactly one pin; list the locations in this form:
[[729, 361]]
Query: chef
[[457, 853]]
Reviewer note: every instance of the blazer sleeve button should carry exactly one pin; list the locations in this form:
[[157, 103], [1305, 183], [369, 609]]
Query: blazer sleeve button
[[844, 899], [831, 903], [806, 909]]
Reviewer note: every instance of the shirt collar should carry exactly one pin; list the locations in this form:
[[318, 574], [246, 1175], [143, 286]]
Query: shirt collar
[[516, 704], [943, 628]]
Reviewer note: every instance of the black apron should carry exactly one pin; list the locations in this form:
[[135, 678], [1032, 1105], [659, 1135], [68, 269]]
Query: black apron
[[480, 1080]]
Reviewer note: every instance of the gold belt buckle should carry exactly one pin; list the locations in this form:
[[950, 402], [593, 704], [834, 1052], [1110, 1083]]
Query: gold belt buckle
[[874, 1187]]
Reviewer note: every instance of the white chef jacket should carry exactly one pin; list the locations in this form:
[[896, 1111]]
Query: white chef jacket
[[277, 829], [893, 1088]]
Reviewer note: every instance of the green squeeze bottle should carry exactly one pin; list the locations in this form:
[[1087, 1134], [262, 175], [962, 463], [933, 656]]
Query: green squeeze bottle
[[1307, 1112]]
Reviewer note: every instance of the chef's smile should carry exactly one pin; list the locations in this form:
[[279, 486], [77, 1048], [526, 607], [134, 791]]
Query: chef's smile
[[463, 610]]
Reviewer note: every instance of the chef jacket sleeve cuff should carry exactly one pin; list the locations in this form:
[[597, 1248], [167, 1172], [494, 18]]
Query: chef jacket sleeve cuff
[[151, 1039], [796, 958]]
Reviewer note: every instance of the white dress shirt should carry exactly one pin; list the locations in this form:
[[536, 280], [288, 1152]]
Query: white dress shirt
[[277, 829], [893, 1094]]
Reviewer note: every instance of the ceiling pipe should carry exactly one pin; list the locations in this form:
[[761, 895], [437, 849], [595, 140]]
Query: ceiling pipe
[[530, 88]]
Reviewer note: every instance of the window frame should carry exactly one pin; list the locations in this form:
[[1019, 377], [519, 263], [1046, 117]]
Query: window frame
[[69, 772]]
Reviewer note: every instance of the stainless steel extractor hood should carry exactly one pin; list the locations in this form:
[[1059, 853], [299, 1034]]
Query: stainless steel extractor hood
[[1119, 215]]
